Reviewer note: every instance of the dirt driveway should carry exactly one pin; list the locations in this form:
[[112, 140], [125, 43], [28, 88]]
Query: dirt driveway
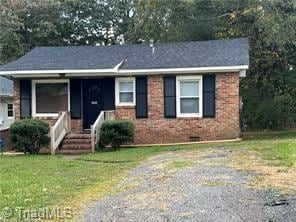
[[191, 186]]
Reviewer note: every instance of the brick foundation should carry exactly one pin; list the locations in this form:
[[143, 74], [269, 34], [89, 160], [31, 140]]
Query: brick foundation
[[4, 134], [157, 129]]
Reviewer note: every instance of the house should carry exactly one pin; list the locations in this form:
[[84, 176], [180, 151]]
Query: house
[[6, 103], [173, 92], [6, 110]]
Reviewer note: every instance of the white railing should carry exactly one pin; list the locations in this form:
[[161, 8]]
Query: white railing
[[59, 130], [95, 128]]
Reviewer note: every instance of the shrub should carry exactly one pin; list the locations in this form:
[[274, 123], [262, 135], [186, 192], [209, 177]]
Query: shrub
[[29, 135], [116, 133]]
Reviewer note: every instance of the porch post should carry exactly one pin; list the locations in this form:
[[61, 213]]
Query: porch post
[[92, 130], [52, 151], [69, 122]]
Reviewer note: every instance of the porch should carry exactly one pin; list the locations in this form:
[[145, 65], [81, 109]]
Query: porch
[[75, 108], [64, 141]]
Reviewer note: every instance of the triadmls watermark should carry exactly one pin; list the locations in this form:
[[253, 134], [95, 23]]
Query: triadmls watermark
[[42, 213]]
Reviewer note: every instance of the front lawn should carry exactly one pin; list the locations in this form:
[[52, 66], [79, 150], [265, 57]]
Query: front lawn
[[278, 148], [42, 181], [38, 181]]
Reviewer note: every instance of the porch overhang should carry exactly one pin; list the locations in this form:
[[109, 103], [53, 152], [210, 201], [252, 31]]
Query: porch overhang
[[116, 71]]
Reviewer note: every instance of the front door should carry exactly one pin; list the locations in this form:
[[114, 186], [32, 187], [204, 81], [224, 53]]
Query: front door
[[92, 101]]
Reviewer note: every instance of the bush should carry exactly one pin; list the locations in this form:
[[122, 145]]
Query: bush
[[29, 135], [278, 112], [269, 101], [116, 133]]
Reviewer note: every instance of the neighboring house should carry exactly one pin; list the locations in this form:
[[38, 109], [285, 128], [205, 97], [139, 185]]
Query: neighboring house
[[173, 92], [6, 103]]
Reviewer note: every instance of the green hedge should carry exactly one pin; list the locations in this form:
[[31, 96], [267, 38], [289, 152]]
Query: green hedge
[[29, 135], [116, 133]]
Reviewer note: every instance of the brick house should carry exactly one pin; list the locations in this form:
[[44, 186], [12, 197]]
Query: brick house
[[173, 92]]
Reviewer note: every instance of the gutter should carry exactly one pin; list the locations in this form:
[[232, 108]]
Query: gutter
[[116, 71]]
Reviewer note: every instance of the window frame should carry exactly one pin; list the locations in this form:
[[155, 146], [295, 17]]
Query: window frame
[[34, 82], [117, 91], [7, 110], [179, 79]]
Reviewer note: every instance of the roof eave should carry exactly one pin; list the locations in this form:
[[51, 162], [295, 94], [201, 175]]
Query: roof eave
[[216, 69], [118, 72]]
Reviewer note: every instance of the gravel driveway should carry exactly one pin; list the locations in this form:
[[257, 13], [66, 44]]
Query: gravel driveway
[[191, 186]]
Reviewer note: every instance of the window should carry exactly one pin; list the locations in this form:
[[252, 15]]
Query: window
[[49, 97], [10, 110], [189, 96], [125, 91]]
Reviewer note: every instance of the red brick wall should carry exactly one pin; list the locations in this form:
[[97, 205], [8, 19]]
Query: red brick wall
[[125, 112], [76, 126], [4, 134], [16, 99], [157, 129]]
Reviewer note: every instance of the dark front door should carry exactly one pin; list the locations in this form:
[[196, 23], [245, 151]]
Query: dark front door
[[92, 101]]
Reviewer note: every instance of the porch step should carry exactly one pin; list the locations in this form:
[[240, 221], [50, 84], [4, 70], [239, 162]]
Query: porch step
[[76, 147], [78, 136], [73, 152], [75, 144], [76, 141]]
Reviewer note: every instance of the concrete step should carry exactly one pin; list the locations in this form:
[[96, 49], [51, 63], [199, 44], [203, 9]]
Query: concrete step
[[77, 141], [73, 152], [75, 144], [76, 147], [78, 136]]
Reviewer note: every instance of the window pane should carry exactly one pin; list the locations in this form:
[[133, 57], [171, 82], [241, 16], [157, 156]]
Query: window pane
[[126, 97], [9, 106], [189, 105], [126, 86], [51, 97], [10, 113], [189, 88]]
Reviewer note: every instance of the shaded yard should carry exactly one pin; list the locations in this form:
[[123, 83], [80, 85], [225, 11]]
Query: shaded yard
[[43, 181]]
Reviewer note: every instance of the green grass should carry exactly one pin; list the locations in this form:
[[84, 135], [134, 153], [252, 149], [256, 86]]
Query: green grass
[[283, 134], [40, 181], [278, 154], [278, 148], [43, 180]]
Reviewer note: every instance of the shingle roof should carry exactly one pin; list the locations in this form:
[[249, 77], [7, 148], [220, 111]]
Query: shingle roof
[[6, 86], [212, 53]]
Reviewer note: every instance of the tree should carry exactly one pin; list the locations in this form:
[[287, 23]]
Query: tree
[[26, 24], [10, 43], [97, 22]]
